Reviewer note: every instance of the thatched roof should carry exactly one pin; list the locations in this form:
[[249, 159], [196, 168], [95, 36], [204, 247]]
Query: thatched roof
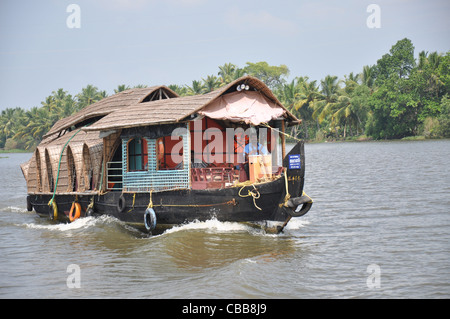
[[83, 152], [175, 110], [111, 104]]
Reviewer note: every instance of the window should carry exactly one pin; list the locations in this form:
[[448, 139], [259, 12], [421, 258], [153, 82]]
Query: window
[[169, 152], [137, 155]]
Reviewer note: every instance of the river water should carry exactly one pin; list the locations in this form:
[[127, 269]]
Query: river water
[[379, 228]]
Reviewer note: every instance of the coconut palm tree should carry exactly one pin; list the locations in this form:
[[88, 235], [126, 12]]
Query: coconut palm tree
[[196, 88], [7, 122], [327, 98], [287, 94], [226, 73], [120, 88], [368, 76], [307, 96], [88, 95], [180, 90], [342, 114], [48, 102], [211, 83], [37, 122]]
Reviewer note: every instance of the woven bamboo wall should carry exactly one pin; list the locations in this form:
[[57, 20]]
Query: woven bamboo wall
[[80, 158]]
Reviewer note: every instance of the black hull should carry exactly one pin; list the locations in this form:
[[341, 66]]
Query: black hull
[[234, 204]]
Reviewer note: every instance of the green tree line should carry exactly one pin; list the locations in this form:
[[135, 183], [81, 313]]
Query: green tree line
[[400, 96]]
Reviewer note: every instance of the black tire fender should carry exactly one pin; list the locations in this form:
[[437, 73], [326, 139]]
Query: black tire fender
[[150, 219], [300, 212], [121, 204]]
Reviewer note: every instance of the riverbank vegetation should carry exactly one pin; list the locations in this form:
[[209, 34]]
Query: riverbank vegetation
[[401, 96]]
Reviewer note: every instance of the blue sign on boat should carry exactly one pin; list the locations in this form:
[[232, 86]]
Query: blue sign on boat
[[294, 161]]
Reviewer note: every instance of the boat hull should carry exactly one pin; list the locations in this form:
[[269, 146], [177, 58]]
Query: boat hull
[[254, 203]]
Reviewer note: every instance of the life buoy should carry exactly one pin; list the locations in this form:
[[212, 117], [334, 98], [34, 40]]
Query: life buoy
[[75, 211], [53, 210], [121, 204], [150, 219], [160, 149]]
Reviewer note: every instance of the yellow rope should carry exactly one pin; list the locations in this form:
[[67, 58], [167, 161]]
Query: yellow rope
[[308, 197], [255, 194], [132, 206], [150, 204], [91, 204], [288, 196], [274, 129]]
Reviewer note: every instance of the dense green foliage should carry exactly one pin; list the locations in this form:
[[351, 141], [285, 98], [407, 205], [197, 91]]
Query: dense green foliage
[[400, 96]]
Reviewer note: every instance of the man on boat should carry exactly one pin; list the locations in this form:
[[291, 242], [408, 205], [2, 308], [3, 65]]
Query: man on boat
[[253, 147]]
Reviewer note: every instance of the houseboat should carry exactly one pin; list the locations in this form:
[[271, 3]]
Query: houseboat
[[153, 160]]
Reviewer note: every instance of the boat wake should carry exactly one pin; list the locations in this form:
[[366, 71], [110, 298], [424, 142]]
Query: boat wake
[[210, 226], [296, 223], [215, 226], [13, 209], [80, 223]]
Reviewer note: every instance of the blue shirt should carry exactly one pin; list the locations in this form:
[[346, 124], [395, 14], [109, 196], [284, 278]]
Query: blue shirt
[[251, 149]]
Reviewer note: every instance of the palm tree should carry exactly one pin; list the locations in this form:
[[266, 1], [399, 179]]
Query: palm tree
[[48, 102], [7, 122], [38, 122], [288, 94], [120, 88], [351, 81], [368, 76], [327, 98], [428, 65], [237, 74], [196, 88], [180, 90], [226, 73], [306, 98], [423, 60], [342, 114], [211, 83], [102, 95], [88, 95]]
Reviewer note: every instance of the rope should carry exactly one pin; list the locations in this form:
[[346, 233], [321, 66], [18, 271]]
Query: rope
[[253, 193], [91, 204], [150, 204], [132, 206], [288, 196], [312, 201], [274, 129]]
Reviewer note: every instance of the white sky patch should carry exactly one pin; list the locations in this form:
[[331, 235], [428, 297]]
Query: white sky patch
[[259, 20]]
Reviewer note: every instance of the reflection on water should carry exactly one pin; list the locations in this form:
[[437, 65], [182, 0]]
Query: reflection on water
[[196, 249]]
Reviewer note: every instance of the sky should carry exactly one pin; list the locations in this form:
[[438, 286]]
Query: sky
[[46, 45]]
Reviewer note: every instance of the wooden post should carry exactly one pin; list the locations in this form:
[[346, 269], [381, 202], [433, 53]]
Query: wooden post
[[283, 141]]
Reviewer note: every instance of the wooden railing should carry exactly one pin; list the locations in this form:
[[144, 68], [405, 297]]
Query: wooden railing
[[211, 177]]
